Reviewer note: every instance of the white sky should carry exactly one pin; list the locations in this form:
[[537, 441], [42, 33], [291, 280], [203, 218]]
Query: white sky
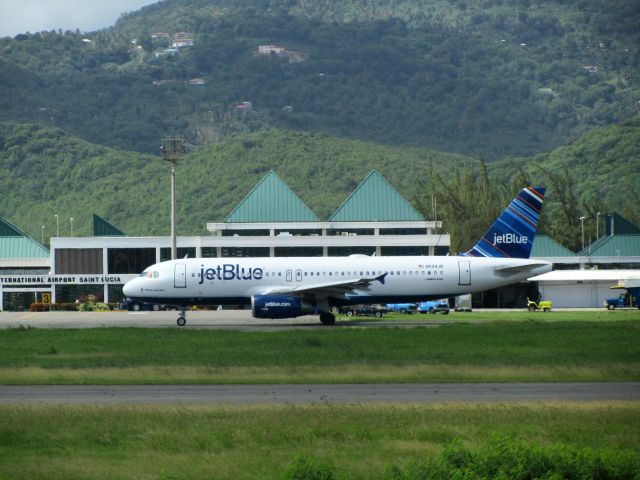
[[20, 16]]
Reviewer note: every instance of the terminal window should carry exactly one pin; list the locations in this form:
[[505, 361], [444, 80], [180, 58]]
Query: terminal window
[[78, 260], [130, 260]]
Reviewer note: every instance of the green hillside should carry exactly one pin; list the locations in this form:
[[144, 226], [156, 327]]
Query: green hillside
[[488, 78], [46, 172]]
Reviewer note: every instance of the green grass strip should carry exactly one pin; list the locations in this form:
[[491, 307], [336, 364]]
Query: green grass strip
[[497, 351], [345, 441]]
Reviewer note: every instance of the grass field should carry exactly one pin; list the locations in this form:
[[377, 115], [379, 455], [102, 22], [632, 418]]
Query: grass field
[[264, 442], [567, 349]]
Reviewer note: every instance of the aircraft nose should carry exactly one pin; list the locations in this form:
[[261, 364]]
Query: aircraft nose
[[129, 288]]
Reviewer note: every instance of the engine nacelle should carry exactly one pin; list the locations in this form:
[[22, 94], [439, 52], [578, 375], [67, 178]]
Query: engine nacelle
[[279, 306]]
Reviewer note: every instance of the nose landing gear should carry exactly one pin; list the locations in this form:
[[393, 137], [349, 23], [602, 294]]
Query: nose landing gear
[[182, 318]]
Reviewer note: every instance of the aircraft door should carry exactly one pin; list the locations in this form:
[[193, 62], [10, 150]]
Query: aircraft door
[[464, 272], [289, 275], [298, 275], [180, 276]]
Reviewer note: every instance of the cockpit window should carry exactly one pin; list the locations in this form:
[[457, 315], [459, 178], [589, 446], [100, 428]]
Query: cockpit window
[[150, 274], [156, 274]]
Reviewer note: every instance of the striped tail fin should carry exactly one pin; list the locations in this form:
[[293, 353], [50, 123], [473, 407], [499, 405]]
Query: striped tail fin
[[513, 232]]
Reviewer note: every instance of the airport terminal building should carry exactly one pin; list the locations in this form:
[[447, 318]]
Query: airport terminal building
[[270, 221]]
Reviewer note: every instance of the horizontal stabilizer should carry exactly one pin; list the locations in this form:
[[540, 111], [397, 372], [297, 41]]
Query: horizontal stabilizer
[[519, 267]]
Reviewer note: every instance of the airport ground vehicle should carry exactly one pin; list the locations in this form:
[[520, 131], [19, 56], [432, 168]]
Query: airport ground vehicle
[[463, 303], [402, 307], [434, 306], [544, 305], [630, 298], [365, 311], [136, 306]]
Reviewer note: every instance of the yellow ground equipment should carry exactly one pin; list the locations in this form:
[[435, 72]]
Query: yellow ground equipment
[[544, 305]]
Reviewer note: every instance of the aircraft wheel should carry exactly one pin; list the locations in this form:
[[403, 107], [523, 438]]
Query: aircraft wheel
[[327, 318], [181, 321]]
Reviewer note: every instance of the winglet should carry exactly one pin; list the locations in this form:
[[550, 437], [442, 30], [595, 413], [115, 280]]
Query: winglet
[[512, 234]]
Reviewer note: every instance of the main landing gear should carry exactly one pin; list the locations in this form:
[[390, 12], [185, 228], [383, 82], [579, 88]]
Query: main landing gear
[[327, 318], [182, 318]]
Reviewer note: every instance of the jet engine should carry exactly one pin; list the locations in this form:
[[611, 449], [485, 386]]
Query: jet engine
[[279, 306]]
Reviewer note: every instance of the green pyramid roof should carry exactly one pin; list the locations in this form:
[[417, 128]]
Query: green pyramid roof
[[373, 200], [619, 225], [544, 246], [271, 200], [613, 246], [102, 228], [14, 243]]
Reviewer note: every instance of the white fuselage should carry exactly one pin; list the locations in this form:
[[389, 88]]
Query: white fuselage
[[212, 281]]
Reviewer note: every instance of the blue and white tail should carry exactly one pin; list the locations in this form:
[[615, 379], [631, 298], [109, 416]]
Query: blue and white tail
[[513, 232]]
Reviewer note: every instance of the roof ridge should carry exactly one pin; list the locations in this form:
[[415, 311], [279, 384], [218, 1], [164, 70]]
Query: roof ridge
[[279, 183], [396, 200]]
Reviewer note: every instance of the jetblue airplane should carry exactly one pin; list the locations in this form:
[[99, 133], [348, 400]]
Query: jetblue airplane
[[288, 287]]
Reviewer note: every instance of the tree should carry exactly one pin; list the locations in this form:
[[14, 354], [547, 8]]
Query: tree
[[469, 202]]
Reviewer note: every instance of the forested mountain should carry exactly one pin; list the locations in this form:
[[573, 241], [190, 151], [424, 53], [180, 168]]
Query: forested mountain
[[44, 171], [490, 78]]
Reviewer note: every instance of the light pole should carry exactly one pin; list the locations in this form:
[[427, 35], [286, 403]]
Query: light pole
[[597, 225], [42, 236], [57, 226], [71, 222], [172, 150], [582, 228]]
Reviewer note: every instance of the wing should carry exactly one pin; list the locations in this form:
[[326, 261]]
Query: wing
[[337, 289]]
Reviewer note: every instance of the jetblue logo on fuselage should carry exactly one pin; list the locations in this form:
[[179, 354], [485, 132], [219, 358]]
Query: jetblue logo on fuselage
[[509, 238], [230, 271]]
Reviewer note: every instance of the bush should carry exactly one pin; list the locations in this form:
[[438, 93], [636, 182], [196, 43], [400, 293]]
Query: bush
[[304, 468], [508, 458], [87, 307]]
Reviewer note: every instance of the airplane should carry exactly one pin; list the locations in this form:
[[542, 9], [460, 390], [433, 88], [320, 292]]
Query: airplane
[[289, 287]]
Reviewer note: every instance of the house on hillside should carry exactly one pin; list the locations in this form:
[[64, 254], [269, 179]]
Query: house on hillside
[[270, 50], [182, 39]]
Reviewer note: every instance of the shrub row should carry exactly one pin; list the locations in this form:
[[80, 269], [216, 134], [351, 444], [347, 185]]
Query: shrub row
[[502, 458], [72, 307], [46, 307]]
